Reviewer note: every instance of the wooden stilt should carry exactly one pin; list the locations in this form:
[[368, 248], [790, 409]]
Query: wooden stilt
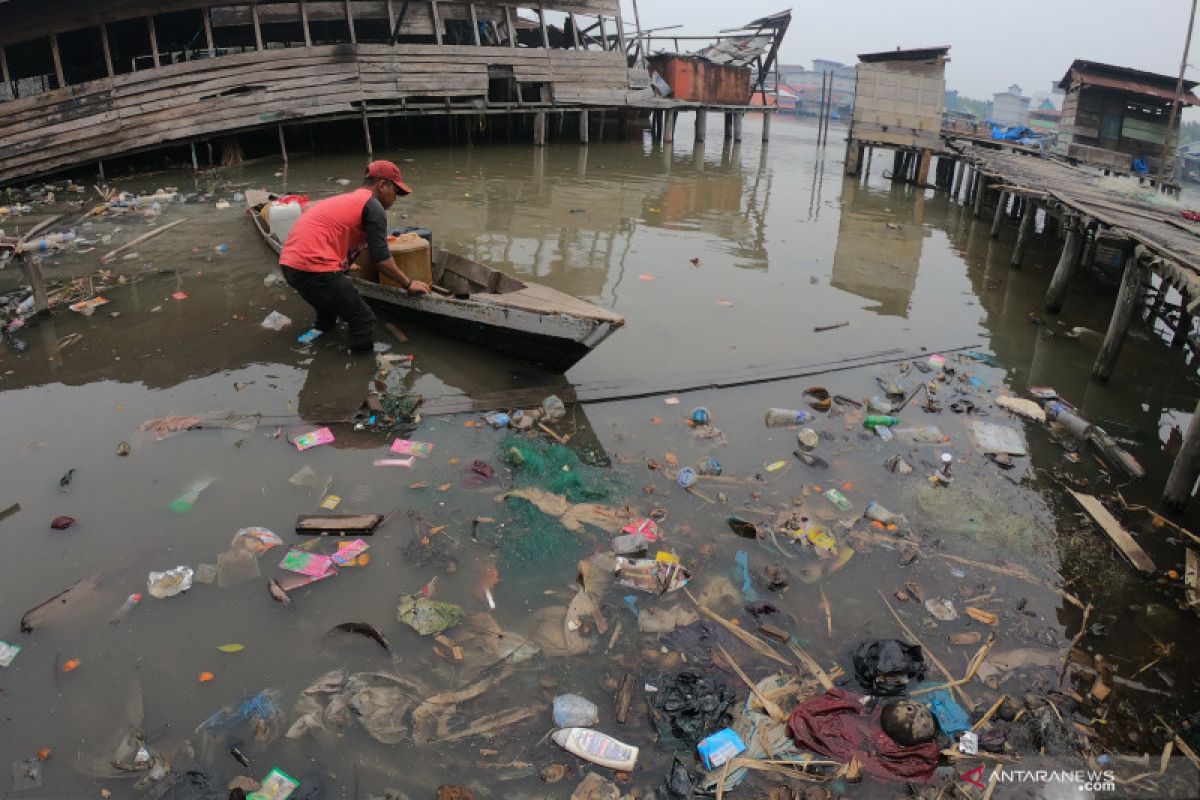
[[897, 165], [1186, 467], [1127, 297], [737, 125], [701, 124], [728, 125], [32, 270], [100, 165], [366, 123], [867, 168], [1023, 232], [1183, 325], [1066, 266], [923, 167], [282, 144], [999, 215], [583, 126], [959, 168], [539, 129], [195, 161], [980, 190], [854, 157], [1092, 236], [669, 126], [766, 127], [969, 190]]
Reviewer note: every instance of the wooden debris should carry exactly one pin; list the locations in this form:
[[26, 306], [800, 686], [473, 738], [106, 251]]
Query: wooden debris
[[394, 330], [770, 706], [828, 612], [453, 651], [1087, 612], [1191, 580], [972, 668], [758, 645], [971, 637], [338, 524], [624, 697], [104, 259], [811, 665], [1119, 536], [990, 713], [278, 593], [492, 723], [979, 615]]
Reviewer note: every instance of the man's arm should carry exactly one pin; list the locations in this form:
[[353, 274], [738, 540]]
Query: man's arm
[[375, 225]]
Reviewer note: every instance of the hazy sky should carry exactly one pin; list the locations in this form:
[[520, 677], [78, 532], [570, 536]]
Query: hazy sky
[[992, 44]]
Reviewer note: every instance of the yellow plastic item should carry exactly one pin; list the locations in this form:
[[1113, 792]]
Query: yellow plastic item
[[664, 557], [822, 540]]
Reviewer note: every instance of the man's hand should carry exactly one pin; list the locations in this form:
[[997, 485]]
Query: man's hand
[[417, 287]]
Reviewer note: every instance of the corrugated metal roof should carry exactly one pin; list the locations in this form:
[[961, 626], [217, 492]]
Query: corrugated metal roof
[[915, 54], [736, 50], [1127, 79]]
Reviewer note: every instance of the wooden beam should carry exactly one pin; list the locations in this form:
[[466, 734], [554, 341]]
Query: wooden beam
[[350, 22], [1186, 467], [1023, 233], [258, 40], [539, 129], [208, 37], [583, 126], [391, 15], [1127, 298], [304, 23], [508, 24], [282, 145], [437, 21], [8, 92], [1066, 265], [104, 45], [701, 124], [621, 30], [603, 34], [542, 23], [153, 41], [474, 23], [58, 70], [926, 154], [574, 29], [999, 215]]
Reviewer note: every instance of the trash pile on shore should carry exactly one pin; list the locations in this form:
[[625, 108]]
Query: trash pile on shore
[[726, 676]]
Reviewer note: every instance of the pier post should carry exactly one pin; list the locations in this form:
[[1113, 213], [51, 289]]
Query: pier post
[[100, 166], [1127, 297], [1186, 467], [972, 182], [1066, 265], [1027, 215], [1183, 325], [539, 129], [196, 161], [728, 125], [980, 191], [282, 146], [737, 125], [766, 127], [923, 167], [32, 270], [854, 157], [959, 168], [669, 126], [367, 136], [701, 124], [583, 126], [999, 215], [867, 169]]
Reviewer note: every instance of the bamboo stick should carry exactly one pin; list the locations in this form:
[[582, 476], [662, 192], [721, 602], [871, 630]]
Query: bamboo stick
[[104, 259]]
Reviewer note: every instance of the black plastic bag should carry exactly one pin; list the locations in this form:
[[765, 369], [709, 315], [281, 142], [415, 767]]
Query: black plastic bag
[[884, 667]]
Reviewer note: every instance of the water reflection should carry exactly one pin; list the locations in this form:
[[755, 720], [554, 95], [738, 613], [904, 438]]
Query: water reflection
[[881, 234]]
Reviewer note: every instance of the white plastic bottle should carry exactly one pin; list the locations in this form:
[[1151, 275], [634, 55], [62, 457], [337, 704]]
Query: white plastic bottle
[[596, 747]]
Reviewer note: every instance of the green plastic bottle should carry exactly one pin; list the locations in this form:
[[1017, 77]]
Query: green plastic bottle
[[880, 420]]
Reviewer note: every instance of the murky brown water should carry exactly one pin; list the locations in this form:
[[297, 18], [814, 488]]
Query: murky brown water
[[784, 244]]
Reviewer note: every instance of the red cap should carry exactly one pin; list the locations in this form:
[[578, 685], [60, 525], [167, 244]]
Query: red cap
[[388, 171]]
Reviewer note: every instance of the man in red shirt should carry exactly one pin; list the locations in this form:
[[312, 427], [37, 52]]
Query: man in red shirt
[[321, 246]]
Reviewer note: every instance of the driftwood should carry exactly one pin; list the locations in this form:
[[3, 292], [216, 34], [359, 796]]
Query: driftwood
[[104, 259], [1119, 536], [624, 697]]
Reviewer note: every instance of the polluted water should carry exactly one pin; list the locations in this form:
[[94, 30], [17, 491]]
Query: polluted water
[[554, 603]]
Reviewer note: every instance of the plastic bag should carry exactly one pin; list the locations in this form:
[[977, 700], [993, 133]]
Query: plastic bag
[[884, 667], [169, 583], [276, 321], [575, 711], [426, 616]]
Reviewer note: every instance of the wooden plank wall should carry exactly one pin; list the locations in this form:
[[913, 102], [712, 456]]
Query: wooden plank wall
[[198, 99], [900, 95]]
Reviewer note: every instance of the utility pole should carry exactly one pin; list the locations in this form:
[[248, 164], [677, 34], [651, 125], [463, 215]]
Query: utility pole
[[1166, 149]]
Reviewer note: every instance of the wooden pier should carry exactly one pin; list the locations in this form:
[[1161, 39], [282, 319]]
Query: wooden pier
[[1154, 248]]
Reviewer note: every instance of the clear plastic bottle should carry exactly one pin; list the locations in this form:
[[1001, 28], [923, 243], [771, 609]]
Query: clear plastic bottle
[[780, 417], [125, 608]]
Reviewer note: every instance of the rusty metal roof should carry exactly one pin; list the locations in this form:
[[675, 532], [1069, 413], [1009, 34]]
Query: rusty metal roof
[[1127, 79], [915, 54]]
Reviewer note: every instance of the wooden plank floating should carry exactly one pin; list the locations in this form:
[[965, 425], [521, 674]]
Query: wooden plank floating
[[1119, 536], [338, 524]]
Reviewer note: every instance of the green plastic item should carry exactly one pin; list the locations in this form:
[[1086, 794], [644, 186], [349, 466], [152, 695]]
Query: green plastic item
[[880, 421], [838, 499], [278, 785], [428, 617]]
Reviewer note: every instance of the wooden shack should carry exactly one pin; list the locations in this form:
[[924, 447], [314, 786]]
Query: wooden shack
[[81, 81], [1112, 115], [898, 100]]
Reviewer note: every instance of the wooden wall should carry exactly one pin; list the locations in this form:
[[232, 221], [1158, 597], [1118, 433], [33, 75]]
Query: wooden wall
[[199, 99], [899, 103]]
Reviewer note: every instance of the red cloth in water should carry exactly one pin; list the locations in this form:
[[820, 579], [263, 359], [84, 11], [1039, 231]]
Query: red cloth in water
[[1190, 215], [837, 725]]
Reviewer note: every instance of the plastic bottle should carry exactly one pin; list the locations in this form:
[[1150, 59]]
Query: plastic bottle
[[876, 420], [575, 711], [1074, 424], [779, 417], [183, 504], [125, 608], [880, 514], [597, 748], [837, 498]]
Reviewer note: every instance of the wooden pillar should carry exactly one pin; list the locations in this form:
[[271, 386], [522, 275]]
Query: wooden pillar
[[437, 22], [32, 270], [508, 25], [542, 24], [153, 40], [728, 125], [104, 45], [1049, 225], [258, 40], [1186, 467], [583, 126], [1183, 325], [474, 24], [58, 70], [350, 23], [669, 126], [972, 186], [867, 170], [1127, 297], [391, 17], [1000, 204], [539, 129], [737, 125], [897, 164], [959, 168], [100, 168], [1023, 232], [701, 124], [574, 30], [621, 30], [303, 23], [923, 167], [1066, 266], [367, 136], [766, 127], [980, 191], [8, 92], [1089, 248], [282, 144], [854, 157], [195, 161]]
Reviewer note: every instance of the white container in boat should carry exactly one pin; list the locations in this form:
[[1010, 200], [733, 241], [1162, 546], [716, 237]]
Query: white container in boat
[[596, 747], [281, 217]]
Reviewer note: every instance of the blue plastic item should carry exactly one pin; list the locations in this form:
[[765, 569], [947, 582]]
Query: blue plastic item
[[720, 748], [631, 601], [743, 572], [309, 335], [950, 715]]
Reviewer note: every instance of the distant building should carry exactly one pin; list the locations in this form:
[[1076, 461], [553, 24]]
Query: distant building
[[950, 102], [1114, 115], [806, 84], [1010, 107], [1044, 117]]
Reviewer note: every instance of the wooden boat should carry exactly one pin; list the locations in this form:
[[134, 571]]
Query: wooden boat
[[485, 306]]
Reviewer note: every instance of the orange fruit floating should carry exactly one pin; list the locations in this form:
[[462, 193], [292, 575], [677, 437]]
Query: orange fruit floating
[[206, 677], [72, 665]]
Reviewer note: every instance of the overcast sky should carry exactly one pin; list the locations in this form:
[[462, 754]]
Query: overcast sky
[[992, 44]]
